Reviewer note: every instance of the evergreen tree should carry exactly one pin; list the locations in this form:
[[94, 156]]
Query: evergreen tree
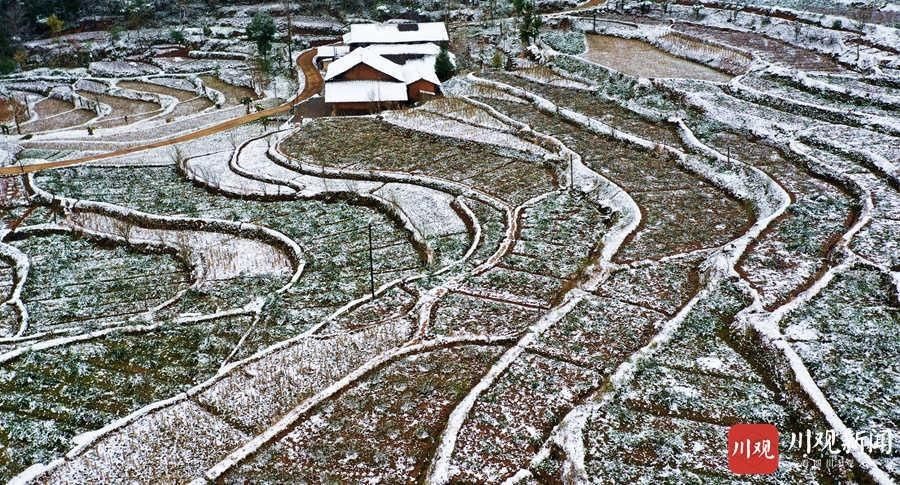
[[530, 27], [443, 66], [262, 31]]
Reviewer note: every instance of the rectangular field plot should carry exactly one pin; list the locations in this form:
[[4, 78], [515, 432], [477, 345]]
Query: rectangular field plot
[[386, 425]]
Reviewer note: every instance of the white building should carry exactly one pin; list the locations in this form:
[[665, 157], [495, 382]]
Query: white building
[[383, 65]]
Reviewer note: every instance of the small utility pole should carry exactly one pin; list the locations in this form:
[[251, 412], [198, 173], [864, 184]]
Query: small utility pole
[[571, 173], [371, 265]]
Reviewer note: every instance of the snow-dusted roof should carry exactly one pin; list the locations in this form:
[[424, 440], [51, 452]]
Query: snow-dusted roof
[[423, 68], [364, 56], [395, 33], [429, 49], [332, 50], [364, 91]]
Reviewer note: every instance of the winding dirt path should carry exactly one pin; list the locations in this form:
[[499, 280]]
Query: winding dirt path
[[314, 83]]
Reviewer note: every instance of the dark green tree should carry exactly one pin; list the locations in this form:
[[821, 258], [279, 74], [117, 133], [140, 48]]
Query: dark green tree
[[262, 31], [530, 27], [443, 66]]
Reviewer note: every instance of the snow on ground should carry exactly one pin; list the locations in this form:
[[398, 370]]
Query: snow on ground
[[213, 255], [121, 69], [233, 419], [166, 445], [429, 211], [439, 125], [212, 170]]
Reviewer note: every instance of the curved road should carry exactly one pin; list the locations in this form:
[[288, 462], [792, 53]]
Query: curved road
[[313, 85]]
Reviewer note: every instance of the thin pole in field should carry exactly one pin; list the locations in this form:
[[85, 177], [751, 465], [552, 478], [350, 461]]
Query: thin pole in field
[[371, 265]]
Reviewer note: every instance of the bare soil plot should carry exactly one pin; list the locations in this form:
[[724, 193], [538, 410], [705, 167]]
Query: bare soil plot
[[189, 102], [65, 119], [365, 143], [124, 110], [122, 106], [233, 94], [765, 47], [384, 426], [190, 107], [8, 108], [48, 107], [640, 59], [526, 113]]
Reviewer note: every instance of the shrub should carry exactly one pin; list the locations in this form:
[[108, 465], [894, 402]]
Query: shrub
[[176, 36], [443, 66], [7, 65], [497, 62], [115, 32]]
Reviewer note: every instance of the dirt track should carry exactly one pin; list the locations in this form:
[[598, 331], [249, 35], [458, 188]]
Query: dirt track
[[313, 85]]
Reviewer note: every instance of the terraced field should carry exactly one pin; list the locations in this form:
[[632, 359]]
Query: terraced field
[[556, 273]]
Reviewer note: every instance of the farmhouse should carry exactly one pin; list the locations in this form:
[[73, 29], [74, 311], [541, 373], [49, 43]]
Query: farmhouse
[[383, 66]]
